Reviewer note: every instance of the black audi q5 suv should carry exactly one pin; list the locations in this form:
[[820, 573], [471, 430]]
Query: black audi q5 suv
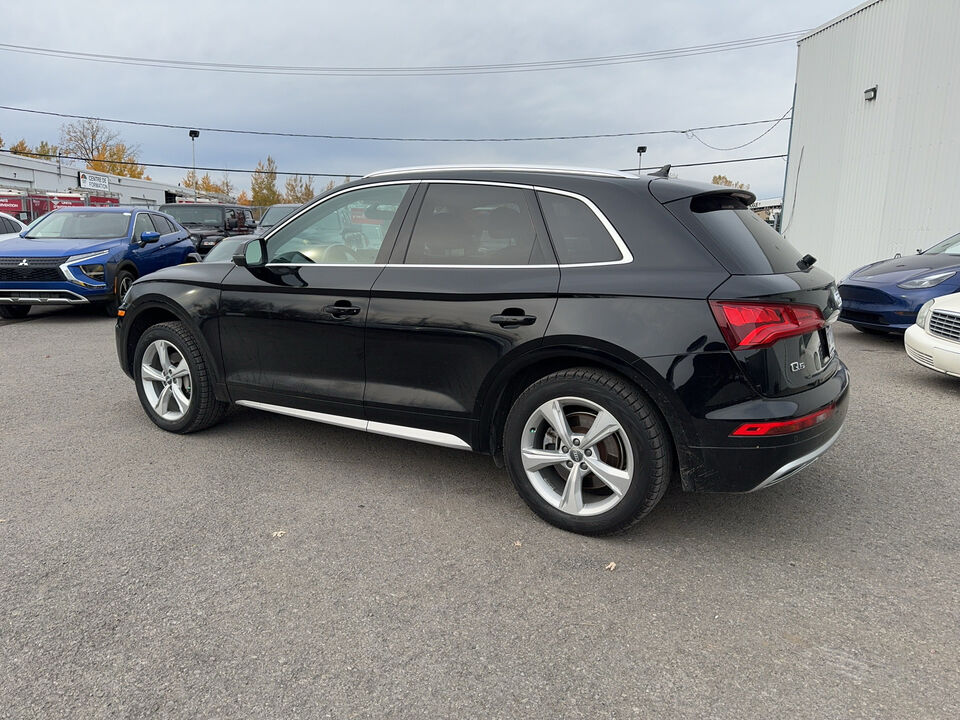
[[597, 333]]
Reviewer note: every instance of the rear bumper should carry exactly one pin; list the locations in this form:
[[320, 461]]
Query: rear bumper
[[932, 352], [748, 464]]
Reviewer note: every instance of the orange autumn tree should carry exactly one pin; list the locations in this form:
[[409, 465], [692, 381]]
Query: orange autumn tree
[[102, 148]]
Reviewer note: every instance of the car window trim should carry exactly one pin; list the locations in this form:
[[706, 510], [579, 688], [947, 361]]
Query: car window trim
[[626, 256]]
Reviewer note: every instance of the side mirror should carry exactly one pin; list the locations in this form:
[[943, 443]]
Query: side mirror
[[251, 254], [149, 237], [231, 223]]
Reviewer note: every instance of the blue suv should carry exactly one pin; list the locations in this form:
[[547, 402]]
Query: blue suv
[[87, 255]]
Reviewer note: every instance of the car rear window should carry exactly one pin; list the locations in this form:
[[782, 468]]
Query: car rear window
[[736, 236]]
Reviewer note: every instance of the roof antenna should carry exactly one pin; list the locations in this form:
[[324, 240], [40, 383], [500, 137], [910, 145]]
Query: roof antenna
[[663, 172]]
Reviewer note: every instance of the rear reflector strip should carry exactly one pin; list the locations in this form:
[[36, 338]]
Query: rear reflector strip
[[784, 427], [759, 324]]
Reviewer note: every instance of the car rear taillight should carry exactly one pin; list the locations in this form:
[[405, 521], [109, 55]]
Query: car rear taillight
[[784, 427], [755, 324]]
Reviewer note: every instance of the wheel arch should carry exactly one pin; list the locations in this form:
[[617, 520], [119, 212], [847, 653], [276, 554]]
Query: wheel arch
[[511, 380], [150, 311]]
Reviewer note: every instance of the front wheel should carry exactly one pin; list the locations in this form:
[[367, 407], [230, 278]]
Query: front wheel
[[121, 284], [587, 451], [14, 312], [173, 380]]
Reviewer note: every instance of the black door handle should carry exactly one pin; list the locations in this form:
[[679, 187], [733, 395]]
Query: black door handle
[[341, 309], [513, 317]]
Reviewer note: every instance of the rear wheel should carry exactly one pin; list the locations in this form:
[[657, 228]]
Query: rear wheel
[[587, 451], [173, 380], [14, 312]]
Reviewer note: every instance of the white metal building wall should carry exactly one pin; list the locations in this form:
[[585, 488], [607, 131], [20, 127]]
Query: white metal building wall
[[868, 179]]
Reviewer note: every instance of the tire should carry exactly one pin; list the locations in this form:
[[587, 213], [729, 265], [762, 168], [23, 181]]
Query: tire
[[638, 449], [121, 284], [14, 312], [185, 372]]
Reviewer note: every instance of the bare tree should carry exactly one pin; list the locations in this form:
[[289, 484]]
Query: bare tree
[[87, 139]]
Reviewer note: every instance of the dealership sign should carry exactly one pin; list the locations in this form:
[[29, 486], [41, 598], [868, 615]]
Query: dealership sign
[[94, 182]]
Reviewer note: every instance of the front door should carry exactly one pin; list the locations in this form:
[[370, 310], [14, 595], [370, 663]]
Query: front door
[[292, 331], [477, 281]]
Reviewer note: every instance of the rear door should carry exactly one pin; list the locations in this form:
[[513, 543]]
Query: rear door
[[475, 281]]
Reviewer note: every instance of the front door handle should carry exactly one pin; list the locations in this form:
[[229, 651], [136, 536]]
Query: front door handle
[[513, 317], [341, 309]]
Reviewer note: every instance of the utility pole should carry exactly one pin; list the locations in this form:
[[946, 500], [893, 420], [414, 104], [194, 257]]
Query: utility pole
[[194, 134]]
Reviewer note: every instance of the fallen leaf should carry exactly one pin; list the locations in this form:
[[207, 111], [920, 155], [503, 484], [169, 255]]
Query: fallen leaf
[[611, 566], [3, 519], [518, 544], [279, 533]]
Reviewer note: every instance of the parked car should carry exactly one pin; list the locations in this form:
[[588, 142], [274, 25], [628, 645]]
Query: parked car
[[594, 331], [79, 255], [885, 296], [934, 341], [209, 223], [10, 226], [271, 216]]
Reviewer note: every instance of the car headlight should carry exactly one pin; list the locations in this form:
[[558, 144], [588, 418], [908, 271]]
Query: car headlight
[[73, 269], [94, 272], [927, 281], [924, 314]]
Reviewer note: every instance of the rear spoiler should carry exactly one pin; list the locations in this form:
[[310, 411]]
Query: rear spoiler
[[669, 190]]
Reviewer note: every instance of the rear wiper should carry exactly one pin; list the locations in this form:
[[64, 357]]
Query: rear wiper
[[806, 262]]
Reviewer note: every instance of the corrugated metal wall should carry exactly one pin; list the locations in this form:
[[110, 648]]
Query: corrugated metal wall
[[866, 180]]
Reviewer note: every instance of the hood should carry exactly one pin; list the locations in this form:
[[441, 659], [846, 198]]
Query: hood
[[18, 246], [901, 269], [203, 231]]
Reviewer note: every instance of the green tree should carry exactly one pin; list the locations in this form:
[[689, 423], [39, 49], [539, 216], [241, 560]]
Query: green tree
[[298, 190], [46, 151], [263, 183]]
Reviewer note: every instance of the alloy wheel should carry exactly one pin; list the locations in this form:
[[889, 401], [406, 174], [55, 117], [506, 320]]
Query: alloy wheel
[[577, 456], [166, 380]]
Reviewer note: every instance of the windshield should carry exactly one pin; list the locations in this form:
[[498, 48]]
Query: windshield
[[950, 246], [195, 214], [91, 225], [275, 214], [223, 251]]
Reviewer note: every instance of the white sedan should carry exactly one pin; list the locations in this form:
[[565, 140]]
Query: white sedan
[[934, 341], [10, 226]]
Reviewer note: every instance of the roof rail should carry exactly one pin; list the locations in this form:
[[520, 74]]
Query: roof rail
[[518, 168]]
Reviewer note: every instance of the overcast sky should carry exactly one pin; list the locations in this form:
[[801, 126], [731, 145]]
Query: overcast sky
[[738, 86]]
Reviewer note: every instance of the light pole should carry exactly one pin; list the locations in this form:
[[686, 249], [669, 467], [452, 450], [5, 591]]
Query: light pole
[[640, 151], [194, 134]]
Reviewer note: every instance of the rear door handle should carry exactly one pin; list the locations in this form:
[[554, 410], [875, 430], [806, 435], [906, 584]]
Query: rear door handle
[[341, 309], [513, 318]]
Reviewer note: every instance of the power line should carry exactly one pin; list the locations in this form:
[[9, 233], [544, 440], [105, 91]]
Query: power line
[[712, 162], [411, 71], [783, 117], [311, 174], [141, 123]]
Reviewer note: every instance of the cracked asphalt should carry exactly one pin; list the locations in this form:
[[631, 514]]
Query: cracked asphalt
[[271, 567]]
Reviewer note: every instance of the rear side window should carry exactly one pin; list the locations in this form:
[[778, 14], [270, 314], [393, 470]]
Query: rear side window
[[743, 242], [578, 235], [473, 225], [162, 224]]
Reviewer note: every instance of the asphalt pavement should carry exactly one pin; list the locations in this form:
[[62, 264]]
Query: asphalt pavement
[[272, 567]]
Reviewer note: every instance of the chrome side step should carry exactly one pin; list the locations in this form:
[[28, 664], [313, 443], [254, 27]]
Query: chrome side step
[[431, 437]]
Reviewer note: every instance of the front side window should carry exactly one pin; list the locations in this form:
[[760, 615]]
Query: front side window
[[344, 229], [578, 235], [83, 225], [464, 224], [143, 225]]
